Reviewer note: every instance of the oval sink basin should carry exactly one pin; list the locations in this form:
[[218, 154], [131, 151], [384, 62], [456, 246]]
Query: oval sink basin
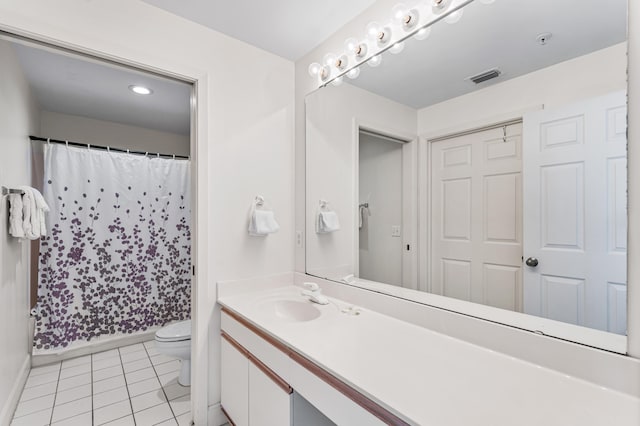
[[293, 310]]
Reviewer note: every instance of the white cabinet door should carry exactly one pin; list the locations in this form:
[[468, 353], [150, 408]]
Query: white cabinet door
[[269, 404], [575, 217], [476, 219], [234, 382]]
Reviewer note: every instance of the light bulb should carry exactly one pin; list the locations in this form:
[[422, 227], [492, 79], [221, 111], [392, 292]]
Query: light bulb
[[341, 62], [454, 17], [422, 34], [404, 17], [353, 73], [351, 45], [398, 13], [375, 61], [337, 81], [377, 33], [329, 60], [397, 48], [314, 69], [324, 73], [373, 30], [438, 6], [361, 51], [140, 90]]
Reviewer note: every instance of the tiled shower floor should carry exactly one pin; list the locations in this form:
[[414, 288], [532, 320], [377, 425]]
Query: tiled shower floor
[[132, 385]]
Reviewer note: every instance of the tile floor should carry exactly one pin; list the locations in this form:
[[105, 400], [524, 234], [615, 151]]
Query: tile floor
[[132, 385]]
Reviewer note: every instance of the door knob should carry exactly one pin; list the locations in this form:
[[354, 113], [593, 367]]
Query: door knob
[[532, 261]]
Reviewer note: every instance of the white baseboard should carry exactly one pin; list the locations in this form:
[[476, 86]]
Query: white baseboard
[[215, 416], [96, 346], [14, 396]]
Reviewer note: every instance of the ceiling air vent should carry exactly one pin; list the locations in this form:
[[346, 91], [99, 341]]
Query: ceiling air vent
[[487, 75]]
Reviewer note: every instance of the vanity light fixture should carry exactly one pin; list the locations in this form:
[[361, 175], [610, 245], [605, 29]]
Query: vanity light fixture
[[405, 22], [140, 90]]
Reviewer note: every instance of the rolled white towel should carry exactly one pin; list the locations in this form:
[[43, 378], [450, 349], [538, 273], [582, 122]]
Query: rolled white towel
[[15, 216], [262, 222], [327, 222]]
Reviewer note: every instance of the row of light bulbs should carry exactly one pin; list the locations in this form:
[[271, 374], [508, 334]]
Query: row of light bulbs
[[379, 36]]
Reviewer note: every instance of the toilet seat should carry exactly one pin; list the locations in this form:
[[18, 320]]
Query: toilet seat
[[177, 332]]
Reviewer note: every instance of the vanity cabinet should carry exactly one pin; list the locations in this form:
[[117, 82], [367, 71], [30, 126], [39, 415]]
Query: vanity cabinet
[[252, 394]]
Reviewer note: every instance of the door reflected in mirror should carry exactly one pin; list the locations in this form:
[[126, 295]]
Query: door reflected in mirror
[[509, 193]]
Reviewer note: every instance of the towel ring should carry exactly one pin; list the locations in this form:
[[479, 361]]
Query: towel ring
[[48, 141], [259, 201]]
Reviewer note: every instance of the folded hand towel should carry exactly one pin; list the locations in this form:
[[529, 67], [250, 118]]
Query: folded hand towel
[[33, 213], [262, 222], [327, 222], [15, 216]]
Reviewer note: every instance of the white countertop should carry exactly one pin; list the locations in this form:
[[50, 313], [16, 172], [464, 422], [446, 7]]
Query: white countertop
[[428, 378]]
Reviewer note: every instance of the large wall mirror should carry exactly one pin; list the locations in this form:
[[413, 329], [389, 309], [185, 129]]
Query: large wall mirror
[[483, 169]]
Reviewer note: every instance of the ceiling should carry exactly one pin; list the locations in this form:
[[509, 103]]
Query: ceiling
[[500, 35], [287, 28], [69, 84]]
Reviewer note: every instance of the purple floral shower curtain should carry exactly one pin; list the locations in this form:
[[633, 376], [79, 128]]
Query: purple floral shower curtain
[[117, 259]]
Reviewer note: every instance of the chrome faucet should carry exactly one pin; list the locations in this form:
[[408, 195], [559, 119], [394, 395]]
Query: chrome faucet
[[314, 293]]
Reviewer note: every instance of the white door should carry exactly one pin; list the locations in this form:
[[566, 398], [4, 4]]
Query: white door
[[575, 218], [476, 219]]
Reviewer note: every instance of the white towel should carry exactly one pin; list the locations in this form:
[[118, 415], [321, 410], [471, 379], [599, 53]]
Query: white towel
[[15, 216], [33, 213], [327, 222], [364, 214], [262, 222]]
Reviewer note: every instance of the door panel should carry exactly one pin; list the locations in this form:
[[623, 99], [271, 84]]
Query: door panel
[[575, 216], [476, 221]]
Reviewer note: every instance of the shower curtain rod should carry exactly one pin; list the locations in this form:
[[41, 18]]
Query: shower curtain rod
[[105, 148]]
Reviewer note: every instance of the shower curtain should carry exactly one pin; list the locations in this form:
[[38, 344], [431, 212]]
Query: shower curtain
[[117, 258]]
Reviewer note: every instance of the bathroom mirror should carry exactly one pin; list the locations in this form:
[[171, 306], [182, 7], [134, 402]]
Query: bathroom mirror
[[483, 170]]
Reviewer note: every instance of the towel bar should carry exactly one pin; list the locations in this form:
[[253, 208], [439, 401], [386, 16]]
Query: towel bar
[[7, 191]]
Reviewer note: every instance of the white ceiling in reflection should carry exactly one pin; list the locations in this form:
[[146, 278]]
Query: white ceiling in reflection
[[500, 35]]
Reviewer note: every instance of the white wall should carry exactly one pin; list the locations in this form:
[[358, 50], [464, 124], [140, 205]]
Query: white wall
[[245, 146], [18, 118], [334, 114], [380, 185], [99, 132], [587, 76]]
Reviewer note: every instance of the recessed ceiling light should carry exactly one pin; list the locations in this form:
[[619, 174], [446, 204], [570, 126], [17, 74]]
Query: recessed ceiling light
[[140, 90]]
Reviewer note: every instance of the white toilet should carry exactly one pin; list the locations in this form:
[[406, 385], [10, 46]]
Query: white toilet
[[175, 340]]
